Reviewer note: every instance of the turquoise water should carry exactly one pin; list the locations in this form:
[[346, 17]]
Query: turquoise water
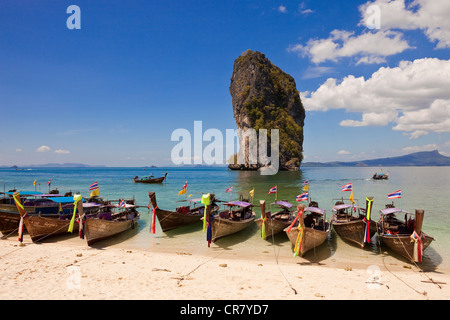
[[426, 188]]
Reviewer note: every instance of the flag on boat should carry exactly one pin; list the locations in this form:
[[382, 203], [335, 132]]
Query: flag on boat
[[183, 191], [34, 183], [252, 192], [306, 182], [93, 186], [347, 187], [302, 197], [273, 190], [306, 187], [49, 182], [395, 195], [351, 198], [229, 189], [122, 203]]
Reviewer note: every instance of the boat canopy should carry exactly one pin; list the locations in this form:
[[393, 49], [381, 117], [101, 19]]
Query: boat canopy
[[63, 199], [241, 204], [283, 204], [315, 210], [393, 210], [23, 193]]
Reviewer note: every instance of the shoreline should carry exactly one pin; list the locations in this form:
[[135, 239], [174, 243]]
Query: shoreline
[[68, 270]]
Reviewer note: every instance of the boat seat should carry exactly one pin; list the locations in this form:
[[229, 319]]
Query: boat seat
[[224, 214]]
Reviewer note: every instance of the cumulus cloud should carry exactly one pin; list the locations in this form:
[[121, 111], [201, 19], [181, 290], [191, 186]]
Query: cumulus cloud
[[343, 152], [43, 149], [369, 47], [62, 151], [414, 96], [430, 16], [282, 9]]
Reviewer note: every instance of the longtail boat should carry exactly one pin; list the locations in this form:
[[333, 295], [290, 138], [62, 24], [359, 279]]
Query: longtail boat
[[150, 179], [182, 216], [237, 217], [353, 223], [309, 229], [39, 206], [270, 224], [404, 237], [111, 220]]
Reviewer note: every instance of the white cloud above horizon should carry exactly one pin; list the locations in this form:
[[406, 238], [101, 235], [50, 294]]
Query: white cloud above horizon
[[61, 151], [414, 96], [43, 149]]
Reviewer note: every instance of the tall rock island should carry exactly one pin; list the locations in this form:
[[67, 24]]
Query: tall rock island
[[265, 97]]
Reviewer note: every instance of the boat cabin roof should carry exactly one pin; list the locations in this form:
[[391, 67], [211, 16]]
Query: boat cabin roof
[[241, 204], [63, 199], [23, 193], [283, 204], [393, 210], [315, 210]]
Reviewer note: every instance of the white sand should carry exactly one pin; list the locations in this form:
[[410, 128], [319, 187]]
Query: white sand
[[61, 270]]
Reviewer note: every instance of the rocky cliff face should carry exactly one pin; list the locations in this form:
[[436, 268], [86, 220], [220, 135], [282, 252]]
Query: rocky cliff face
[[265, 97]]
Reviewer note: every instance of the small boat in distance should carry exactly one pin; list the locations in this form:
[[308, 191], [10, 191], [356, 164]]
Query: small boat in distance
[[353, 223], [380, 176], [309, 229], [404, 237], [150, 179], [270, 224]]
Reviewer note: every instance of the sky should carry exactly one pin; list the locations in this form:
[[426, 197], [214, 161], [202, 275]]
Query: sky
[[374, 76]]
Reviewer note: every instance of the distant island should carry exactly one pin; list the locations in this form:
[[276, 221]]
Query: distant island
[[55, 165], [418, 159]]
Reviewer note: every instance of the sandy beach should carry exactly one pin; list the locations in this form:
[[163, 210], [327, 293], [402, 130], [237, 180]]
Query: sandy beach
[[61, 270]]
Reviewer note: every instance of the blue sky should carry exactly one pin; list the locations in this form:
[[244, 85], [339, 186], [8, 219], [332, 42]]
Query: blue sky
[[114, 91]]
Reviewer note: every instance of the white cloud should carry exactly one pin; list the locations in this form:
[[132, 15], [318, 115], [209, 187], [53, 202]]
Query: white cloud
[[43, 149], [282, 9], [414, 96], [430, 16], [342, 152], [19, 150], [369, 47], [62, 151]]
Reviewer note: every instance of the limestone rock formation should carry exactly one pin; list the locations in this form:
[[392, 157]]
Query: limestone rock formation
[[265, 97]]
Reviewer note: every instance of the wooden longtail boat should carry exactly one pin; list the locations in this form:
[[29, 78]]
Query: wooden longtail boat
[[311, 225], [274, 223], [47, 208], [353, 223], [404, 237], [182, 216], [150, 179], [33, 202], [107, 223], [228, 222]]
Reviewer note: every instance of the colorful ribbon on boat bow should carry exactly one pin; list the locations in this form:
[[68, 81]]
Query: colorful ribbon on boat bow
[[367, 220], [22, 213], [206, 201], [418, 246], [263, 227], [76, 199], [298, 243], [154, 220]]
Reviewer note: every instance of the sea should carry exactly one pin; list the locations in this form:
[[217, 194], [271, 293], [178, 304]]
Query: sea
[[426, 188]]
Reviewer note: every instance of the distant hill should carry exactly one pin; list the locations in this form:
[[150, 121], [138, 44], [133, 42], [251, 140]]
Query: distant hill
[[55, 165], [426, 158]]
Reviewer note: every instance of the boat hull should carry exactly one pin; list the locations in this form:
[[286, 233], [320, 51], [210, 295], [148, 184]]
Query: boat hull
[[169, 220], [149, 181], [354, 231], [402, 245], [99, 229], [273, 226], [9, 222], [312, 238], [40, 228], [222, 227]]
